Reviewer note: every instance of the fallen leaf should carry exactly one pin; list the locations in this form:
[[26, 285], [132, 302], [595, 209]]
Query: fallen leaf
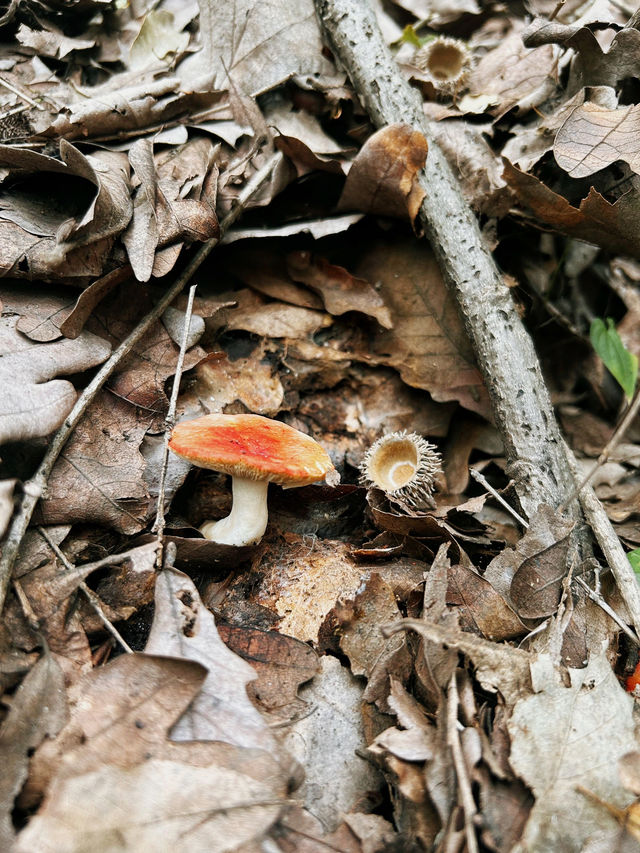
[[281, 665], [383, 178], [594, 137], [567, 736], [611, 226], [257, 46], [536, 587], [98, 476], [427, 345], [158, 38], [33, 403], [326, 741], [183, 628], [113, 778], [480, 607], [252, 381], [514, 75], [38, 710]]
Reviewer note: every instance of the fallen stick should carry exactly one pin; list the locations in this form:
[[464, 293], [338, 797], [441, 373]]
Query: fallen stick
[[35, 487], [504, 351], [535, 448]]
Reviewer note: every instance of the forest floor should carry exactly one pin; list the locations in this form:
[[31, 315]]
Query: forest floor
[[204, 210]]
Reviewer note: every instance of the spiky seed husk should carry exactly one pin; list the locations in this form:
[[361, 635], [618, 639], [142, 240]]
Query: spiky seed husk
[[445, 62], [404, 465]]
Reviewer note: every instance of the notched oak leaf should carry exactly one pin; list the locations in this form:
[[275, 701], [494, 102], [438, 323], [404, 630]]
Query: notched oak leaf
[[32, 402], [384, 176], [340, 291], [114, 781], [612, 226], [594, 137]]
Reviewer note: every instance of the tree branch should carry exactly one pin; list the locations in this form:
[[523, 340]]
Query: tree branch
[[504, 351]]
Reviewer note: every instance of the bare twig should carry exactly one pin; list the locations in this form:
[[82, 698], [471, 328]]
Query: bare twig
[[20, 94], [480, 478], [94, 600], [505, 352], [611, 548], [599, 600], [609, 447], [37, 483], [464, 784], [169, 423]]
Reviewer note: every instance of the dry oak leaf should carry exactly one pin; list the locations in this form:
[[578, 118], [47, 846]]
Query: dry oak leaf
[[255, 46], [594, 137], [340, 291], [32, 402], [562, 737], [99, 474], [38, 710], [515, 76], [428, 345], [384, 176], [591, 65], [612, 226], [114, 782], [184, 628]]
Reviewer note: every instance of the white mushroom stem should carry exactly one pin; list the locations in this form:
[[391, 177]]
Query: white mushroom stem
[[247, 521]]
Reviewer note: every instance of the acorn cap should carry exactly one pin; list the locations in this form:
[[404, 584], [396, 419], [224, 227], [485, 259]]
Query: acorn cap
[[252, 447]]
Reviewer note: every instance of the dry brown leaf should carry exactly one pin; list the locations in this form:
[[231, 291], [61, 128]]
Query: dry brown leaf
[[567, 736], [256, 46], [340, 291], [38, 710], [98, 476], [183, 628], [32, 403], [273, 319], [591, 66], [536, 587], [281, 664], [480, 607], [594, 137], [252, 381], [384, 176], [325, 743], [427, 345], [361, 639], [112, 777], [515, 76], [611, 226]]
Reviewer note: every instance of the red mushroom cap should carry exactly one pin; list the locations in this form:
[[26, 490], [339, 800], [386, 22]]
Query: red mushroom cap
[[253, 447]]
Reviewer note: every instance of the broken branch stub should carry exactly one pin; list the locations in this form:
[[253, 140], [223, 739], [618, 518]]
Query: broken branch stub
[[506, 356]]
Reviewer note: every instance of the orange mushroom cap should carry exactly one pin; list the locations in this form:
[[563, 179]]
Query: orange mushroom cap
[[253, 447]]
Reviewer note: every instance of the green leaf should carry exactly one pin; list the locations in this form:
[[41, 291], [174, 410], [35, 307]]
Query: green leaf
[[634, 559], [410, 36], [621, 363]]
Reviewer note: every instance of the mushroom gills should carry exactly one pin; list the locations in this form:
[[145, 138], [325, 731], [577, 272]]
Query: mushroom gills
[[247, 521]]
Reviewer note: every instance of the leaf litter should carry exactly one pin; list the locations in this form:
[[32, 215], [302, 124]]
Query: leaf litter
[[368, 677]]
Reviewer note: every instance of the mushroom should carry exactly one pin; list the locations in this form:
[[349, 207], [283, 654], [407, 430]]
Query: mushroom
[[255, 451], [405, 466]]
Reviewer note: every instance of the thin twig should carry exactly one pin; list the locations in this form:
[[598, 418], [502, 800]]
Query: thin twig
[[480, 478], [20, 94], [608, 540], [94, 600], [169, 423], [464, 785], [599, 600], [608, 449], [38, 482]]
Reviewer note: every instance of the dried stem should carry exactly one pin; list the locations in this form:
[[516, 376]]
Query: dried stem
[[464, 784], [94, 600], [169, 423], [34, 488]]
